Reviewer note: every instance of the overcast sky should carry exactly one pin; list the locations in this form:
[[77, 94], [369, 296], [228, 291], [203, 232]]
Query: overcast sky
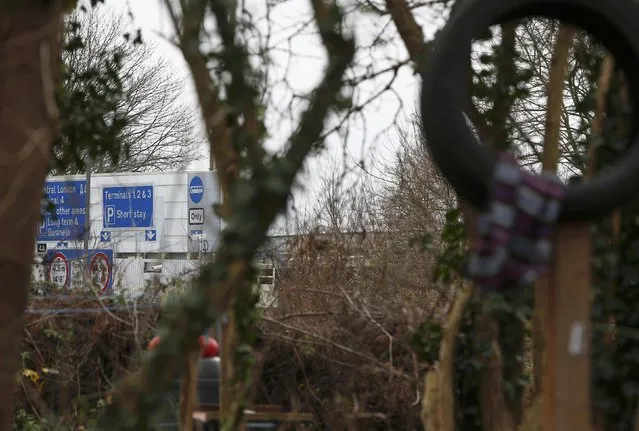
[[301, 75]]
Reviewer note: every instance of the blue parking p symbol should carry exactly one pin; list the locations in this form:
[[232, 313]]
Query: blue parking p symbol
[[109, 214]]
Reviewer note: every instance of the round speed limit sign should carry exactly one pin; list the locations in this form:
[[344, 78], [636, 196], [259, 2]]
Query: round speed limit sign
[[100, 271], [59, 270]]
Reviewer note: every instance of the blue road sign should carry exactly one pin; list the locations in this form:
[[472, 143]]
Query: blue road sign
[[105, 236], [150, 235], [127, 207], [99, 262], [196, 189], [65, 220]]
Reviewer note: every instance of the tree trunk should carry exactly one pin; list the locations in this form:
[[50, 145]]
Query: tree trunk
[[495, 415], [29, 71]]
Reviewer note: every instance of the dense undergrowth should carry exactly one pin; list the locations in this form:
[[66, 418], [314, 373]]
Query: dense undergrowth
[[71, 359]]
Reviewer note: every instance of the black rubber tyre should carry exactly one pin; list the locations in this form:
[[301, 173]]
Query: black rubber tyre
[[462, 159]]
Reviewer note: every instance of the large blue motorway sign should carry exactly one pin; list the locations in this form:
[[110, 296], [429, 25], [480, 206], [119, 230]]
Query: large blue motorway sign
[[63, 211], [127, 207]]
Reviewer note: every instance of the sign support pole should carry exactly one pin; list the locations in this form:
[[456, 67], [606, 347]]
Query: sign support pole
[[87, 219]]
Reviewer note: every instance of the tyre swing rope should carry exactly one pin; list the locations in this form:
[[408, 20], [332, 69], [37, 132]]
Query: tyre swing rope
[[531, 224]]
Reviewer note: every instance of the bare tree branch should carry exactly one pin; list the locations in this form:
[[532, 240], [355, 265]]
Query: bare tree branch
[[232, 264], [161, 133]]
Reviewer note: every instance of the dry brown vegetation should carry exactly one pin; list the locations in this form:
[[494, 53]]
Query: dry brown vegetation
[[73, 352], [338, 344]]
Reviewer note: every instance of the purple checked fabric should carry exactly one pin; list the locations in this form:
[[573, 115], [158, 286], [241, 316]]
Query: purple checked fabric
[[514, 235]]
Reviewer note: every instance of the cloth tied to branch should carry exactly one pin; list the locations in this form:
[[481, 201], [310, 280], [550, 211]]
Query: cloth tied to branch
[[514, 235]]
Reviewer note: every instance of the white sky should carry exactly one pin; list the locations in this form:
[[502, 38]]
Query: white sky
[[302, 74]]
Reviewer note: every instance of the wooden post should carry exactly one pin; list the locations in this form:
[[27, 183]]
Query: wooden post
[[566, 377]]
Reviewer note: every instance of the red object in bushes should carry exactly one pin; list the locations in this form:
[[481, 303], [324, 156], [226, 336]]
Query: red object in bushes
[[155, 341], [208, 346]]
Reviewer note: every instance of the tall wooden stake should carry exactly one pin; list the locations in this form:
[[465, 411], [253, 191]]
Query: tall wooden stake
[[562, 299], [566, 378], [566, 369]]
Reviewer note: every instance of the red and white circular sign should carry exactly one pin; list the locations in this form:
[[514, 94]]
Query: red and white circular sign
[[59, 270], [100, 269]]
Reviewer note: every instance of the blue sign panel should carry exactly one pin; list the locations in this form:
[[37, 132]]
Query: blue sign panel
[[63, 211], [127, 207], [150, 235], [65, 268], [105, 236], [196, 189]]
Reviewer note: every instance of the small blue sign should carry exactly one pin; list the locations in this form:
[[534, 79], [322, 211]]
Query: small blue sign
[[196, 189], [127, 207], [65, 221], [105, 236], [196, 232], [150, 235]]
